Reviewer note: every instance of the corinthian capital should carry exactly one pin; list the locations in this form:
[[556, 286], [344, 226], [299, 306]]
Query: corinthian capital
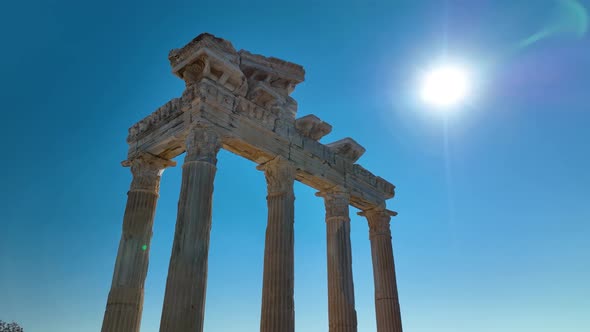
[[336, 200], [147, 170], [202, 144], [280, 175], [379, 219]]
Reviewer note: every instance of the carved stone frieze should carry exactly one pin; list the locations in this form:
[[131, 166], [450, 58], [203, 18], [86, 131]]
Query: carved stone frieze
[[271, 129], [266, 117], [169, 110], [213, 95]]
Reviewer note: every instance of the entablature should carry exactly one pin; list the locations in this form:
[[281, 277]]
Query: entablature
[[254, 128]]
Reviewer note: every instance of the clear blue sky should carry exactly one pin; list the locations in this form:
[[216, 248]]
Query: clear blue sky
[[494, 216]]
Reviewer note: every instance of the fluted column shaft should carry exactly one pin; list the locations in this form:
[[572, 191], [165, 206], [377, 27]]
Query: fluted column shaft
[[386, 297], [125, 301], [341, 310], [184, 300], [278, 308]]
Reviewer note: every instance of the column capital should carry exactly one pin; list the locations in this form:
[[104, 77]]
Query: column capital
[[378, 219], [202, 144], [280, 175], [337, 200], [147, 170]]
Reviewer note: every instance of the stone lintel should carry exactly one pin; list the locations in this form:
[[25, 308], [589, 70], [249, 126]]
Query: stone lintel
[[148, 158], [313, 127], [384, 211], [348, 148]]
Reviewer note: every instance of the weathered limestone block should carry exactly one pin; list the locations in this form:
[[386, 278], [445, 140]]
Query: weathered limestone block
[[210, 57], [341, 309], [278, 307], [263, 95], [251, 110], [241, 102], [237, 119], [312, 127], [125, 301], [348, 148], [270, 82], [279, 75], [152, 122], [184, 300], [386, 297]]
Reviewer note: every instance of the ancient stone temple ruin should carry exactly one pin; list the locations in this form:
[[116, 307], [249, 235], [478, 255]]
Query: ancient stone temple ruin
[[240, 101]]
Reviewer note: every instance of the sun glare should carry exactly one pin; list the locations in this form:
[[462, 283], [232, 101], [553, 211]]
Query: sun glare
[[445, 86]]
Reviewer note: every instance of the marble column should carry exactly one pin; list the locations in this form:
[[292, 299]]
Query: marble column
[[278, 308], [125, 301], [386, 299], [184, 299], [341, 311]]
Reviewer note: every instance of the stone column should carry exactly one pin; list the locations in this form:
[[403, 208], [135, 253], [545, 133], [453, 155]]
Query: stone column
[[125, 301], [278, 308], [341, 310], [386, 299], [184, 300]]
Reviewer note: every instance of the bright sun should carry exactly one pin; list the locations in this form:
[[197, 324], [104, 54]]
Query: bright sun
[[445, 86]]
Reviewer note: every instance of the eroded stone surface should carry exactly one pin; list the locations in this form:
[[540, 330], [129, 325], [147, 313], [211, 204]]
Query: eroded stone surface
[[125, 300], [348, 148], [386, 296], [313, 127], [341, 309], [186, 286], [278, 306], [241, 102]]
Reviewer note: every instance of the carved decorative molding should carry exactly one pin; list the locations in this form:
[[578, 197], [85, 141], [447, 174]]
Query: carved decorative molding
[[254, 112], [279, 75], [169, 110], [348, 148], [147, 170], [209, 57], [280, 175], [260, 120], [378, 219], [313, 127], [336, 200]]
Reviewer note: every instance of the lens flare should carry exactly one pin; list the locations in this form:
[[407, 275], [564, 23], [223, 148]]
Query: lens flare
[[569, 18]]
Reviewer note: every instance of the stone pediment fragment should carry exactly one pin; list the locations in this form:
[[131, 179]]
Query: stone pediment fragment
[[279, 74], [313, 127], [348, 148], [209, 57]]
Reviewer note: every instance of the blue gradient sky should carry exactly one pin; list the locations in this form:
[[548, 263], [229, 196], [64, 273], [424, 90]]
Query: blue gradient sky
[[494, 214]]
